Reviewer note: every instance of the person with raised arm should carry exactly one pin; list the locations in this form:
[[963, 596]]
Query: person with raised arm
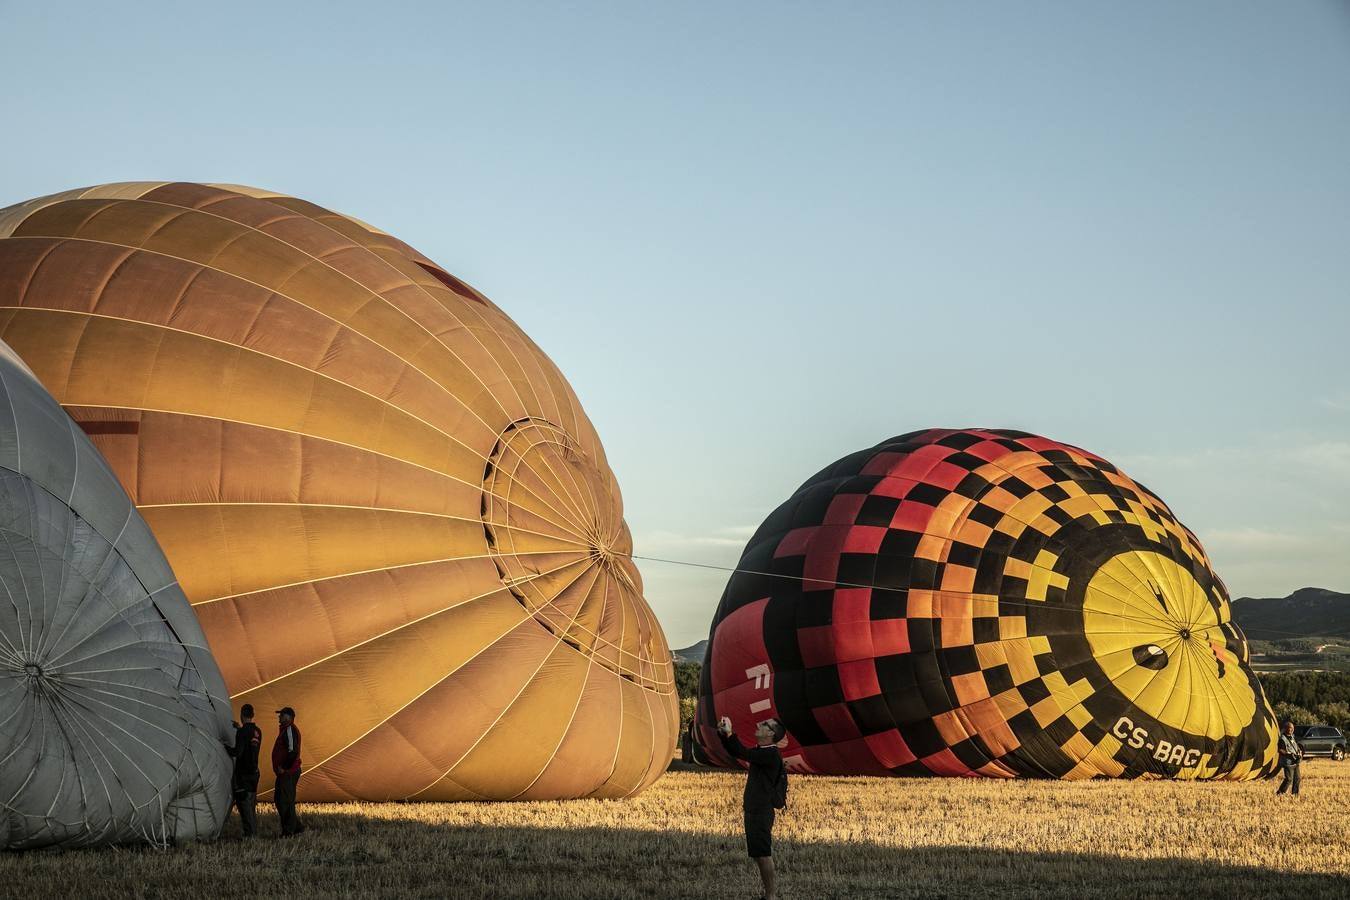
[[244, 779], [765, 792]]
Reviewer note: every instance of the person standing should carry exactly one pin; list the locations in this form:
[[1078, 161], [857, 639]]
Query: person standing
[[765, 791], [1291, 754], [286, 766], [244, 781]]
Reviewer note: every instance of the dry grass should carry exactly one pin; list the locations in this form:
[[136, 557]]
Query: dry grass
[[840, 837]]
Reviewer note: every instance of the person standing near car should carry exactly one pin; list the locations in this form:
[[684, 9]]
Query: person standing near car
[[1290, 756], [286, 766], [765, 791]]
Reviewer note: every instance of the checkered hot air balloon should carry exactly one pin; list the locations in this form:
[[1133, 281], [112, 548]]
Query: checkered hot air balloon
[[382, 499], [984, 602]]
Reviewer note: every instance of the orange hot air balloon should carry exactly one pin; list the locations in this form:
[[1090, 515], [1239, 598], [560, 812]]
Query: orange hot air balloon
[[383, 501]]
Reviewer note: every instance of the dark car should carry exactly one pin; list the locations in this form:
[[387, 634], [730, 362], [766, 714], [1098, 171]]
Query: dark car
[[1320, 740]]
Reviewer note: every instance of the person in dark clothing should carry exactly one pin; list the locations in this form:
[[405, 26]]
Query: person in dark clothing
[[286, 766], [1291, 754], [244, 781], [762, 790]]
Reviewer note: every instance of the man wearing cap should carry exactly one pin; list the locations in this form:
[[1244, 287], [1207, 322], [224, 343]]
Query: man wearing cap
[[286, 766], [244, 781]]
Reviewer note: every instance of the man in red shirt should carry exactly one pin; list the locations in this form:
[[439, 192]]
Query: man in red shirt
[[286, 766]]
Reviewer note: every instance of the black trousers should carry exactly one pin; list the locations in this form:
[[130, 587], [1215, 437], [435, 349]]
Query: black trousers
[[285, 799], [246, 801], [759, 833]]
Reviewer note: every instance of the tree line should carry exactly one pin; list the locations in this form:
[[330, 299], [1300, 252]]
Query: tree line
[[687, 675], [1309, 698]]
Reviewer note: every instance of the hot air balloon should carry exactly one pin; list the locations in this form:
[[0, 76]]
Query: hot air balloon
[[383, 501], [113, 711], [984, 602]]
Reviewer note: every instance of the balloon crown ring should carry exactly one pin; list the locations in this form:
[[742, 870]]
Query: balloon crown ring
[[33, 673]]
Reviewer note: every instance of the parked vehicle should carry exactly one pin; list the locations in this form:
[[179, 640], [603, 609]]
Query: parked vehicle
[[1321, 740]]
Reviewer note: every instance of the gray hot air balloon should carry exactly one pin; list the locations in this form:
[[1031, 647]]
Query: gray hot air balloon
[[112, 710]]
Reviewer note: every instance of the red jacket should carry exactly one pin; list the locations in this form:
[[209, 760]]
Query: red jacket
[[286, 751]]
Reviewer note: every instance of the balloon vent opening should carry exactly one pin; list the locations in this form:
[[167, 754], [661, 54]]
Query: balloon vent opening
[[36, 677]]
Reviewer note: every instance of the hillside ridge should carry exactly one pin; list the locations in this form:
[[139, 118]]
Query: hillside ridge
[[1307, 612]]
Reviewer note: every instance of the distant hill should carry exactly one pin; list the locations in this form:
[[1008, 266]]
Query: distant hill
[[692, 654], [1307, 612]]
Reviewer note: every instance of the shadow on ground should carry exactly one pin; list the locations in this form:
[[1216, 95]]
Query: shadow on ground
[[349, 855]]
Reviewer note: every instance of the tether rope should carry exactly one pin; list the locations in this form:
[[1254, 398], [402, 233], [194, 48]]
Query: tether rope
[[835, 583]]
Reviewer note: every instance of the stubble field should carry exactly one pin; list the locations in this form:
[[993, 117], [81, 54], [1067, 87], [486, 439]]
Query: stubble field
[[863, 837]]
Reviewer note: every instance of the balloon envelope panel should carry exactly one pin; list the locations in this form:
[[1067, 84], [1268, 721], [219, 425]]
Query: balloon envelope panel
[[382, 499], [984, 602], [113, 709]]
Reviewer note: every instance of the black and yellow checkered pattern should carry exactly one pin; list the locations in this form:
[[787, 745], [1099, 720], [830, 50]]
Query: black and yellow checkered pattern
[[990, 602]]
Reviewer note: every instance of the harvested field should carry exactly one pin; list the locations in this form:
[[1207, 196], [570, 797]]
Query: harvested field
[[863, 837]]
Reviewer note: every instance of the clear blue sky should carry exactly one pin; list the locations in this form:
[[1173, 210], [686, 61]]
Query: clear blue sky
[[758, 236]]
